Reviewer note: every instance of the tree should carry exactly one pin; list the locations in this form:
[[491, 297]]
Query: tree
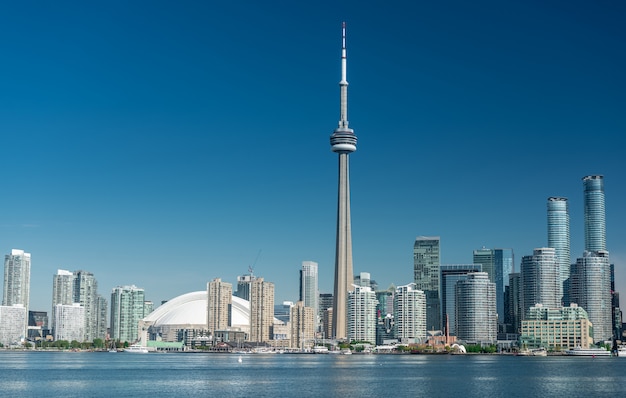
[[98, 343]]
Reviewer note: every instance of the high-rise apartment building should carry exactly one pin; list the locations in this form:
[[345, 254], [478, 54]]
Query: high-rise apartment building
[[127, 309], [590, 288], [409, 312], [541, 280], [558, 236], [69, 322], [62, 290], [325, 304], [343, 142], [595, 222], [476, 317], [303, 321], [261, 310], [309, 293], [220, 299], [17, 282], [362, 314], [243, 286], [12, 321], [514, 302], [450, 275], [426, 262]]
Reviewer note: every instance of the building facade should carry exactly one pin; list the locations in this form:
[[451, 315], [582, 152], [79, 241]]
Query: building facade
[[541, 280], [69, 322], [261, 310], [559, 237], [127, 309], [362, 314], [450, 275], [426, 263], [12, 321], [409, 312], [590, 288], [17, 282], [595, 221], [309, 292], [476, 316], [556, 328], [303, 320], [220, 297]]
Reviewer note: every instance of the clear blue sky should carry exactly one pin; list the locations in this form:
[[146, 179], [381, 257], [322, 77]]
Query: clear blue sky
[[164, 144]]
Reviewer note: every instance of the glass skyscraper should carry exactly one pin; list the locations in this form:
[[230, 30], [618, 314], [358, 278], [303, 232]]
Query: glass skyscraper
[[541, 283], [558, 236], [595, 223], [498, 264], [309, 293], [426, 262], [475, 302], [450, 275]]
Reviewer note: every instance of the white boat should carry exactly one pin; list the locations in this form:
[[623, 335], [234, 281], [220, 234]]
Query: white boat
[[320, 349], [136, 349], [539, 352], [346, 351], [588, 352]]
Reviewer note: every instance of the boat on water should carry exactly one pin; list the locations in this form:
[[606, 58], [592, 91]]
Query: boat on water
[[588, 352], [320, 349], [539, 352], [136, 349]]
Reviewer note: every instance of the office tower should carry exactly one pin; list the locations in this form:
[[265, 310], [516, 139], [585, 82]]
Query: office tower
[[325, 303], [384, 316], [17, 282], [309, 293], [69, 322], [282, 311], [476, 317], [127, 306], [220, 298], [261, 310], [541, 280], [590, 288], [498, 264], [426, 262], [364, 279], [514, 302], [595, 223], [243, 286], [12, 321], [362, 314], [343, 142], [62, 290], [86, 293], [102, 317], [303, 320], [409, 313], [450, 275], [558, 236]]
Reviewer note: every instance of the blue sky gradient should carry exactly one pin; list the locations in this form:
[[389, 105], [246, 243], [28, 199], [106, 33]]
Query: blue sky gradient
[[164, 144]]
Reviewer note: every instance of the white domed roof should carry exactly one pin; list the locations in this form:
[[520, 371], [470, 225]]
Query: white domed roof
[[191, 309]]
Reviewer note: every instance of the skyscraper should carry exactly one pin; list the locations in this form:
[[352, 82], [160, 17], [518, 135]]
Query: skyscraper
[[261, 310], [70, 322], [12, 321], [595, 223], [127, 309], [590, 288], [243, 286], [220, 297], [426, 262], [409, 312], [302, 326], [343, 141], [362, 314], [541, 280], [558, 235], [62, 291], [17, 282], [476, 319], [309, 293], [498, 264], [450, 275]]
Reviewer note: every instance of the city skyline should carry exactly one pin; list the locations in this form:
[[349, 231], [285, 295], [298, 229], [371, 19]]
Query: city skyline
[[151, 149]]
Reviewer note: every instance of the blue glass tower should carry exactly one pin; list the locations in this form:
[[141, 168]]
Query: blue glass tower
[[595, 223], [559, 237]]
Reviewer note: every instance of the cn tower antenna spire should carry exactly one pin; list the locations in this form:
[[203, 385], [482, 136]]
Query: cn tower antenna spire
[[343, 84]]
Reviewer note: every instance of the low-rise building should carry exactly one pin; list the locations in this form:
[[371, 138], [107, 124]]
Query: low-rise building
[[556, 328]]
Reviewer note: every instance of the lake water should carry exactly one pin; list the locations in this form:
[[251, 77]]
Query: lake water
[[86, 374]]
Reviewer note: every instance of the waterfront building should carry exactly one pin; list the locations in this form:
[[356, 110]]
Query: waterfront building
[[559, 237], [62, 290], [498, 264], [103, 308], [384, 316], [303, 321], [541, 280], [127, 309], [343, 142], [261, 310], [556, 328], [69, 322], [12, 321], [37, 324], [219, 302], [617, 313], [309, 292], [324, 303], [17, 282], [362, 314], [426, 263], [476, 316], [450, 275], [595, 222], [409, 313], [590, 288], [514, 302]]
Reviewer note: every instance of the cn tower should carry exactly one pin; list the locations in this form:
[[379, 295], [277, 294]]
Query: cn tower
[[343, 142]]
